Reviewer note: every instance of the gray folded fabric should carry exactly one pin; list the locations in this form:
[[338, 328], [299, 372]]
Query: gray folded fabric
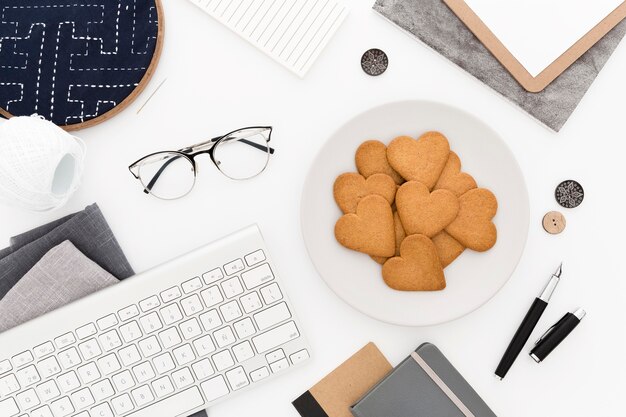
[[437, 26], [87, 230]]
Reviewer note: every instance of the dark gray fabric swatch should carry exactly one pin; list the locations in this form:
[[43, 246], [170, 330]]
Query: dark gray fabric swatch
[[437, 26]]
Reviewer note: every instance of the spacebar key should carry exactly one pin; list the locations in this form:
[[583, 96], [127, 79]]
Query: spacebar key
[[276, 337], [176, 405]]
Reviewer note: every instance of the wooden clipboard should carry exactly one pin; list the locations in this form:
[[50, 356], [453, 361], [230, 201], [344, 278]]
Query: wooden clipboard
[[519, 72]]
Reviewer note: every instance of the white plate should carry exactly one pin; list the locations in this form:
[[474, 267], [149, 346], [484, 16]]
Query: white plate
[[474, 277]]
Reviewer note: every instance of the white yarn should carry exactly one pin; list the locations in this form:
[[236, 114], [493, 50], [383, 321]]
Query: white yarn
[[40, 164]]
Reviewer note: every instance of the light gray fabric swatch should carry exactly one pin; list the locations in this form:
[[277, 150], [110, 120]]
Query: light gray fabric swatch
[[437, 26], [62, 275]]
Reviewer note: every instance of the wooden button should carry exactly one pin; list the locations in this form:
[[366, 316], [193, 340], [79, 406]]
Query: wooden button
[[554, 222]]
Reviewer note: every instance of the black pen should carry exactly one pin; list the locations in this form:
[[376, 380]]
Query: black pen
[[528, 324], [556, 334]]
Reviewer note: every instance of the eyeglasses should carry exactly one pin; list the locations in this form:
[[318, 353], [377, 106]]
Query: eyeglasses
[[241, 154]]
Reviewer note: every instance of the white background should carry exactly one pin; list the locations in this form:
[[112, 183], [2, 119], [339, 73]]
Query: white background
[[216, 82]]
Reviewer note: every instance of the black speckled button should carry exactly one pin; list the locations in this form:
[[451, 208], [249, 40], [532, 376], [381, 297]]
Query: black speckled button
[[374, 62], [569, 194]]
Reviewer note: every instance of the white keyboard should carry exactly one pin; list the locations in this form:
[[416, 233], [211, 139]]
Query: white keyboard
[[168, 342]]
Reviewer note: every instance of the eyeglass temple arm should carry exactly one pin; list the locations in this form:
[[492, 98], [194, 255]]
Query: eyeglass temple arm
[[246, 141]]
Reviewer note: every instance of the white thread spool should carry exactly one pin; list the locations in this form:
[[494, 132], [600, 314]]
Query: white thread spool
[[40, 164]]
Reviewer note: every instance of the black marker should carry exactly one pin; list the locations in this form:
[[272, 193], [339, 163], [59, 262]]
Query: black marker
[[556, 334], [528, 325]]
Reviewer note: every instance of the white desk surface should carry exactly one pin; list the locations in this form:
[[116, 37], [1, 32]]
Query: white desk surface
[[216, 82]]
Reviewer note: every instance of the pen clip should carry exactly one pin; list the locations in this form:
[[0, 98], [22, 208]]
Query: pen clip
[[554, 326]]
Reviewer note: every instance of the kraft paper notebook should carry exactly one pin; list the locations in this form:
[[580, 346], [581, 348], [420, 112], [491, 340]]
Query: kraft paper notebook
[[425, 384]]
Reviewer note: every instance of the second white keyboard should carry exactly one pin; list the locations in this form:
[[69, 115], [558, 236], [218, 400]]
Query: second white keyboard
[[168, 342]]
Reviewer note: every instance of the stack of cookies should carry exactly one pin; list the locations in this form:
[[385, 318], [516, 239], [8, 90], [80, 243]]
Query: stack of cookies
[[412, 210]]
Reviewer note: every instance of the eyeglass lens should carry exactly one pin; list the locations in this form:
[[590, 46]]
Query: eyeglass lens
[[167, 175], [243, 154]]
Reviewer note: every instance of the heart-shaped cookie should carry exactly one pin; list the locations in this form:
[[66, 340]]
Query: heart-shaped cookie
[[417, 268], [400, 235], [371, 158], [452, 179], [423, 212], [351, 187], [473, 227], [370, 229], [419, 160], [447, 247]]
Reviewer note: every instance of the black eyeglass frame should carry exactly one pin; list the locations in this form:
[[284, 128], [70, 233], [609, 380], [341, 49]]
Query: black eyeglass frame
[[191, 152]]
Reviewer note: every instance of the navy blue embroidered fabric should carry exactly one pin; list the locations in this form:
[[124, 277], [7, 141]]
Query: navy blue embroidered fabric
[[73, 60]]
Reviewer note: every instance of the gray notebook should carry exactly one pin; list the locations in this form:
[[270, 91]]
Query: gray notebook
[[424, 385]]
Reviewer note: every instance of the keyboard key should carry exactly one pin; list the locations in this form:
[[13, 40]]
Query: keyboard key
[[276, 337], [223, 360], [27, 399], [22, 359], [210, 320], [62, 407], [130, 332], [110, 340], [82, 414], [184, 355], [251, 302], [170, 294], [257, 276], [82, 399], [8, 385], [231, 311], [28, 376], [44, 349], [192, 305], [212, 276], [272, 316], [170, 338], [149, 303], [143, 372], [102, 410], [122, 404], [164, 363], [5, 366], [48, 391], [244, 328], [123, 381], [90, 349], [86, 331], [243, 351], [151, 323], [109, 364], [271, 293], [192, 285], [255, 257], [214, 388], [190, 328], [89, 373], [204, 345], [42, 412], [202, 369], [65, 340], [171, 314], [129, 355], [259, 374], [69, 358], [8, 408], [128, 313], [176, 405], [212, 296], [149, 347], [279, 365], [68, 381], [233, 267], [299, 356], [232, 287], [275, 356], [142, 395], [182, 378], [48, 367], [237, 378], [224, 336], [162, 387], [107, 322], [102, 390]]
